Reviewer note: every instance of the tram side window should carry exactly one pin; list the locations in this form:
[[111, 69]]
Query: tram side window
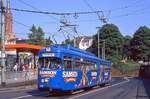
[[92, 65], [107, 69], [83, 65], [67, 63], [77, 64], [88, 67], [103, 66]]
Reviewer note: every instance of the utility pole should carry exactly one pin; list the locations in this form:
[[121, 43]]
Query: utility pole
[[98, 28], [2, 42], [103, 19], [103, 45], [103, 49]]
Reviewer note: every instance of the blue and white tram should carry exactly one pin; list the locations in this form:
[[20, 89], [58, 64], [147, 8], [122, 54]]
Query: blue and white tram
[[67, 68]]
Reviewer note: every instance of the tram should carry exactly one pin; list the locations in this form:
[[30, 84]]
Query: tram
[[67, 68]]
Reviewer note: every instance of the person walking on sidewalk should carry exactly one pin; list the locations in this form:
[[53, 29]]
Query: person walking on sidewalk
[[27, 74], [15, 68]]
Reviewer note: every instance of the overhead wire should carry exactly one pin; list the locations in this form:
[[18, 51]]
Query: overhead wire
[[35, 8], [21, 24], [128, 6], [43, 12], [65, 13], [121, 15], [135, 12], [31, 6], [54, 13], [88, 12], [101, 17]]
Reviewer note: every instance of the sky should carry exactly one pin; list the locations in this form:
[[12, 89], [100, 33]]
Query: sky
[[128, 15]]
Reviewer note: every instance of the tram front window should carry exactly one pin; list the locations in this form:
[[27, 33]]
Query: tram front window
[[50, 63]]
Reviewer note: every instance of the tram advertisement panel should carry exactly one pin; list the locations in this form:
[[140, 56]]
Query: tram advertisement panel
[[106, 73], [70, 76], [47, 73]]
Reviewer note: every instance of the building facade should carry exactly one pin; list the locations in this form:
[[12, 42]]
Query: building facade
[[84, 42], [10, 37]]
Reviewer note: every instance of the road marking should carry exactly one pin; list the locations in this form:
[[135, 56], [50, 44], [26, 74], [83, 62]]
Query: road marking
[[77, 91], [75, 97], [15, 90], [80, 94], [22, 97]]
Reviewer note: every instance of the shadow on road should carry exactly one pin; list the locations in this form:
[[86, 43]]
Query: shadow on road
[[147, 86], [144, 77], [61, 94], [38, 93]]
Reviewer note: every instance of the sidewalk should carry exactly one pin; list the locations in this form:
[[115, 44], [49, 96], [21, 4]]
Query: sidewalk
[[19, 78]]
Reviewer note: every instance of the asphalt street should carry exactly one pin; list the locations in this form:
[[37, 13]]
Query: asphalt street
[[120, 88]]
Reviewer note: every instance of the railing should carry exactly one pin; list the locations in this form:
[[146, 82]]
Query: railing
[[19, 76]]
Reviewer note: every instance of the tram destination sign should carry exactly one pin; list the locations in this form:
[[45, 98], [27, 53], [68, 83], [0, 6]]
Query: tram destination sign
[[48, 55]]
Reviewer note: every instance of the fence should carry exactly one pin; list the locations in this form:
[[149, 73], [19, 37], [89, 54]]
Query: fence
[[19, 76]]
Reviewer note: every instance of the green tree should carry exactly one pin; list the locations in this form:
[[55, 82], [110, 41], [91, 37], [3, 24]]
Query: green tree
[[140, 44], [49, 41], [113, 40], [36, 36], [126, 47], [68, 41]]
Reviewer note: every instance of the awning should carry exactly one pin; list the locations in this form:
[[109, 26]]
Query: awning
[[24, 48]]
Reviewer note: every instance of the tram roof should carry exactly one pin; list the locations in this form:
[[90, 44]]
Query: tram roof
[[68, 49]]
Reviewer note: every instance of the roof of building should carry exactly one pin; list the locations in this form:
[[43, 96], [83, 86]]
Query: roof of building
[[25, 47]]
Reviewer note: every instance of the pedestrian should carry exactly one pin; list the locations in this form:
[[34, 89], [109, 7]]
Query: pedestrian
[[27, 73], [15, 68], [33, 68]]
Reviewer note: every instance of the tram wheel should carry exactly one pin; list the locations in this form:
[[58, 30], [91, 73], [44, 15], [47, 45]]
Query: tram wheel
[[102, 85], [41, 89], [88, 88]]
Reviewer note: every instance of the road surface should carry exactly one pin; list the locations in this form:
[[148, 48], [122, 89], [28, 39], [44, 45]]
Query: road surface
[[129, 88]]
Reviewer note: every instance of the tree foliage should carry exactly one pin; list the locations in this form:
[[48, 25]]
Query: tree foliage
[[49, 41], [118, 47], [126, 47], [140, 44], [68, 41], [113, 40], [36, 36]]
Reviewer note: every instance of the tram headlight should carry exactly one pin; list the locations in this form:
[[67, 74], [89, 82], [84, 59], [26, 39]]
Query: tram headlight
[[46, 80], [42, 80]]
